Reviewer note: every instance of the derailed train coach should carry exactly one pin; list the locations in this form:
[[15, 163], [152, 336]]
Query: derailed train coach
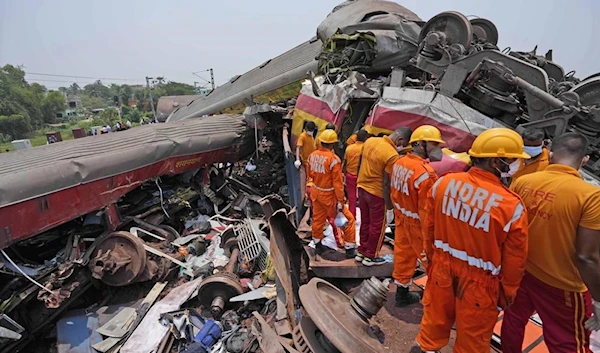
[[450, 74], [61, 206]]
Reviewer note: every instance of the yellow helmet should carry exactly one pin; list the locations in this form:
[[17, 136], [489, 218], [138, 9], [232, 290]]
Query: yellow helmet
[[426, 133], [328, 136], [498, 142]]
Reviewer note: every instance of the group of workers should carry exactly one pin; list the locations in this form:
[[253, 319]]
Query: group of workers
[[518, 231]]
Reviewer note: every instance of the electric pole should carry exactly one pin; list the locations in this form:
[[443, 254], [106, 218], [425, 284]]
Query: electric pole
[[151, 99], [212, 78]]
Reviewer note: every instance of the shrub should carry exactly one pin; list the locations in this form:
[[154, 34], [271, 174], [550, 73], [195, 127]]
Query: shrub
[[16, 126]]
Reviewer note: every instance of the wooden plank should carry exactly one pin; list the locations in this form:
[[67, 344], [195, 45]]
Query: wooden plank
[[114, 343], [117, 326], [150, 332], [349, 268]]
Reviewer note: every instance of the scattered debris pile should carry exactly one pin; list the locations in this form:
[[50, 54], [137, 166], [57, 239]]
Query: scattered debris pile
[[204, 261]]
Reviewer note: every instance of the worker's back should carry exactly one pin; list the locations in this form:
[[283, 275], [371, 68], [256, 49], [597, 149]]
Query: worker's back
[[352, 157], [472, 215], [558, 201], [410, 175], [321, 163], [378, 155]]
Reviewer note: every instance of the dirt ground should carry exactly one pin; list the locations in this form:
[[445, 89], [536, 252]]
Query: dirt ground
[[401, 326]]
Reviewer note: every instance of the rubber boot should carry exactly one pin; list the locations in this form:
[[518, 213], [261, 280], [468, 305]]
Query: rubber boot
[[404, 297]]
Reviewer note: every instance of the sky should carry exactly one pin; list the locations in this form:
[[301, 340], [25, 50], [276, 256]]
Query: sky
[[131, 39]]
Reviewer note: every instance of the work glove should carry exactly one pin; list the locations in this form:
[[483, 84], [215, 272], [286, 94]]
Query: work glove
[[593, 323], [297, 164]]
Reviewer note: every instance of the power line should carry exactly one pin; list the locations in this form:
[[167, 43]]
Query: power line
[[66, 81], [89, 77]]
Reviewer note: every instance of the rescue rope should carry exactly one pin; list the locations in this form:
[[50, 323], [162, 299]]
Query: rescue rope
[[24, 274]]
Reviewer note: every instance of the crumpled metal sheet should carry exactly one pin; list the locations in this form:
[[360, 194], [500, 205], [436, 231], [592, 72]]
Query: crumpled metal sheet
[[395, 27]]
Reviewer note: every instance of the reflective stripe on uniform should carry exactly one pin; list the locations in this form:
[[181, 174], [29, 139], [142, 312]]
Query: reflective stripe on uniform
[[472, 261], [334, 162], [516, 215], [406, 212], [323, 189], [434, 187], [421, 179]]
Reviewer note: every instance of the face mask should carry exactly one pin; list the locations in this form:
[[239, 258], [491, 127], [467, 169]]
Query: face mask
[[435, 155], [507, 171], [310, 133], [533, 151]]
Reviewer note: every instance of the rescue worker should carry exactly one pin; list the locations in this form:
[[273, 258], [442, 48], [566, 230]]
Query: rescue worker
[[327, 193], [563, 263], [304, 147], [534, 146], [373, 183], [327, 127], [411, 179], [350, 168], [476, 237], [353, 138]]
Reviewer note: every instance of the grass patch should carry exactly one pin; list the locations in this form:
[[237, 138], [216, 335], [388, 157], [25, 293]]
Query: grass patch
[[38, 137]]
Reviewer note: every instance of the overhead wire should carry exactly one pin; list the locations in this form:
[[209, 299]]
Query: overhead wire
[[88, 77]]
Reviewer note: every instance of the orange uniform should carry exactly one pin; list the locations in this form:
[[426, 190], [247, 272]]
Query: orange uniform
[[412, 178], [378, 157], [558, 201], [307, 146], [352, 157], [476, 237], [352, 139], [533, 165], [327, 191]]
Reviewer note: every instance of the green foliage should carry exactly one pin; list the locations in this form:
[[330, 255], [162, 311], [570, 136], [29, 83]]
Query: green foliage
[[134, 115], [14, 126], [97, 89], [90, 103], [5, 138], [53, 103], [17, 97], [173, 89], [107, 117]]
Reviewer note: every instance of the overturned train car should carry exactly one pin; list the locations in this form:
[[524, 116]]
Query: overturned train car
[[62, 207]]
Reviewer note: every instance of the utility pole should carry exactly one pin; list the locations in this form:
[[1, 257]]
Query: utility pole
[[151, 99], [212, 78]]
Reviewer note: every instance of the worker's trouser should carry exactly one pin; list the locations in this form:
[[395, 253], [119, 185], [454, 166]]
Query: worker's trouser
[[563, 314], [408, 248], [324, 206], [372, 225], [457, 292], [351, 191], [337, 234]]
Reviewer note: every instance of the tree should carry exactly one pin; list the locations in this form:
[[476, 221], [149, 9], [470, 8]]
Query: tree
[[174, 89], [53, 103], [97, 89], [15, 126], [90, 103], [74, 89]]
